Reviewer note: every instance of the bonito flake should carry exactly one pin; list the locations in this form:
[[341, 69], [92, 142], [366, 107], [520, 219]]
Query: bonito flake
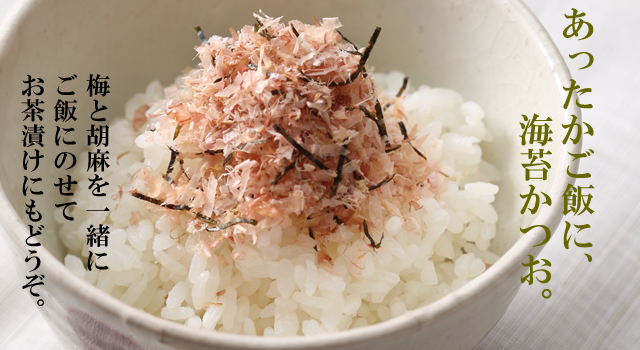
[[282, 125]]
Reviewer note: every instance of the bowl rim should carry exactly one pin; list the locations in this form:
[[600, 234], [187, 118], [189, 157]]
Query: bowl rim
[[506, 264]]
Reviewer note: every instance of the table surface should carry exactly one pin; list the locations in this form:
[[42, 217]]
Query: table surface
[[594, 305]]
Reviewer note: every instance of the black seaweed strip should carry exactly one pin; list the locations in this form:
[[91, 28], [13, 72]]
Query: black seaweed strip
[[403, 130], [172, 161], [146, 198], [372, 117], [228, 224], [177, 206], [389, 150], [363, 58], [304, 152], [368, 114], [367, 50], [419, 153], [338, 178], [213, 152], [201, 34], [157, 201], [228, 158], [306, 78], [265, 34], [405, 81], [295, 32], [206, 219], [285, 169], [224, 77], [382, 183], [183, 171], [312, 236], [241, 147], [366, 233], [177, 132], [380, 242], [356, 176], [382, 129], [338, 220], [347, 40], [381, 125]]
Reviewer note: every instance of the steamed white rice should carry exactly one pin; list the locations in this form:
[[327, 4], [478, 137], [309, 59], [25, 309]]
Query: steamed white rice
[[275, 288]]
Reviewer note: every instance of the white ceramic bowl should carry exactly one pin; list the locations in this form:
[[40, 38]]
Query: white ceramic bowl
[[492, 51]]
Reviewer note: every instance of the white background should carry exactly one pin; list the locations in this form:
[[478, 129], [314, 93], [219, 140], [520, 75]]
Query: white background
[[594, 305]]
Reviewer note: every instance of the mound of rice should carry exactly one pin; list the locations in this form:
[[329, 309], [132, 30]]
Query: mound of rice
[[274, 286]]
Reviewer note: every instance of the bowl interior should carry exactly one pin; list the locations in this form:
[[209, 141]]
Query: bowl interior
[[482, 48], [473, 47]]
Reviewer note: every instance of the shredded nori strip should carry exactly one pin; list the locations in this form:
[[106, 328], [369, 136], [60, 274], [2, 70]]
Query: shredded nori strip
[[146, 198], [295, 32], [213, 152], [157, 201], [182, 207], [405, 81], [338, 220], [369, 115], [313, 236], [344, 38], [241, 147], [177, 206], [201, 34], [336, 180], [381, 125], [183, 171], [285, 169], [304, 152], [374, 245], [363, 58], [311, 233], [389, 178], [415, 149], [367, 50], [228, 158], [356, 176], [228, 224], [264, 33], [306, 78], [403, 130], [378, 119], [206, 219], [177, 132], [389, 150], [172, 160]]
